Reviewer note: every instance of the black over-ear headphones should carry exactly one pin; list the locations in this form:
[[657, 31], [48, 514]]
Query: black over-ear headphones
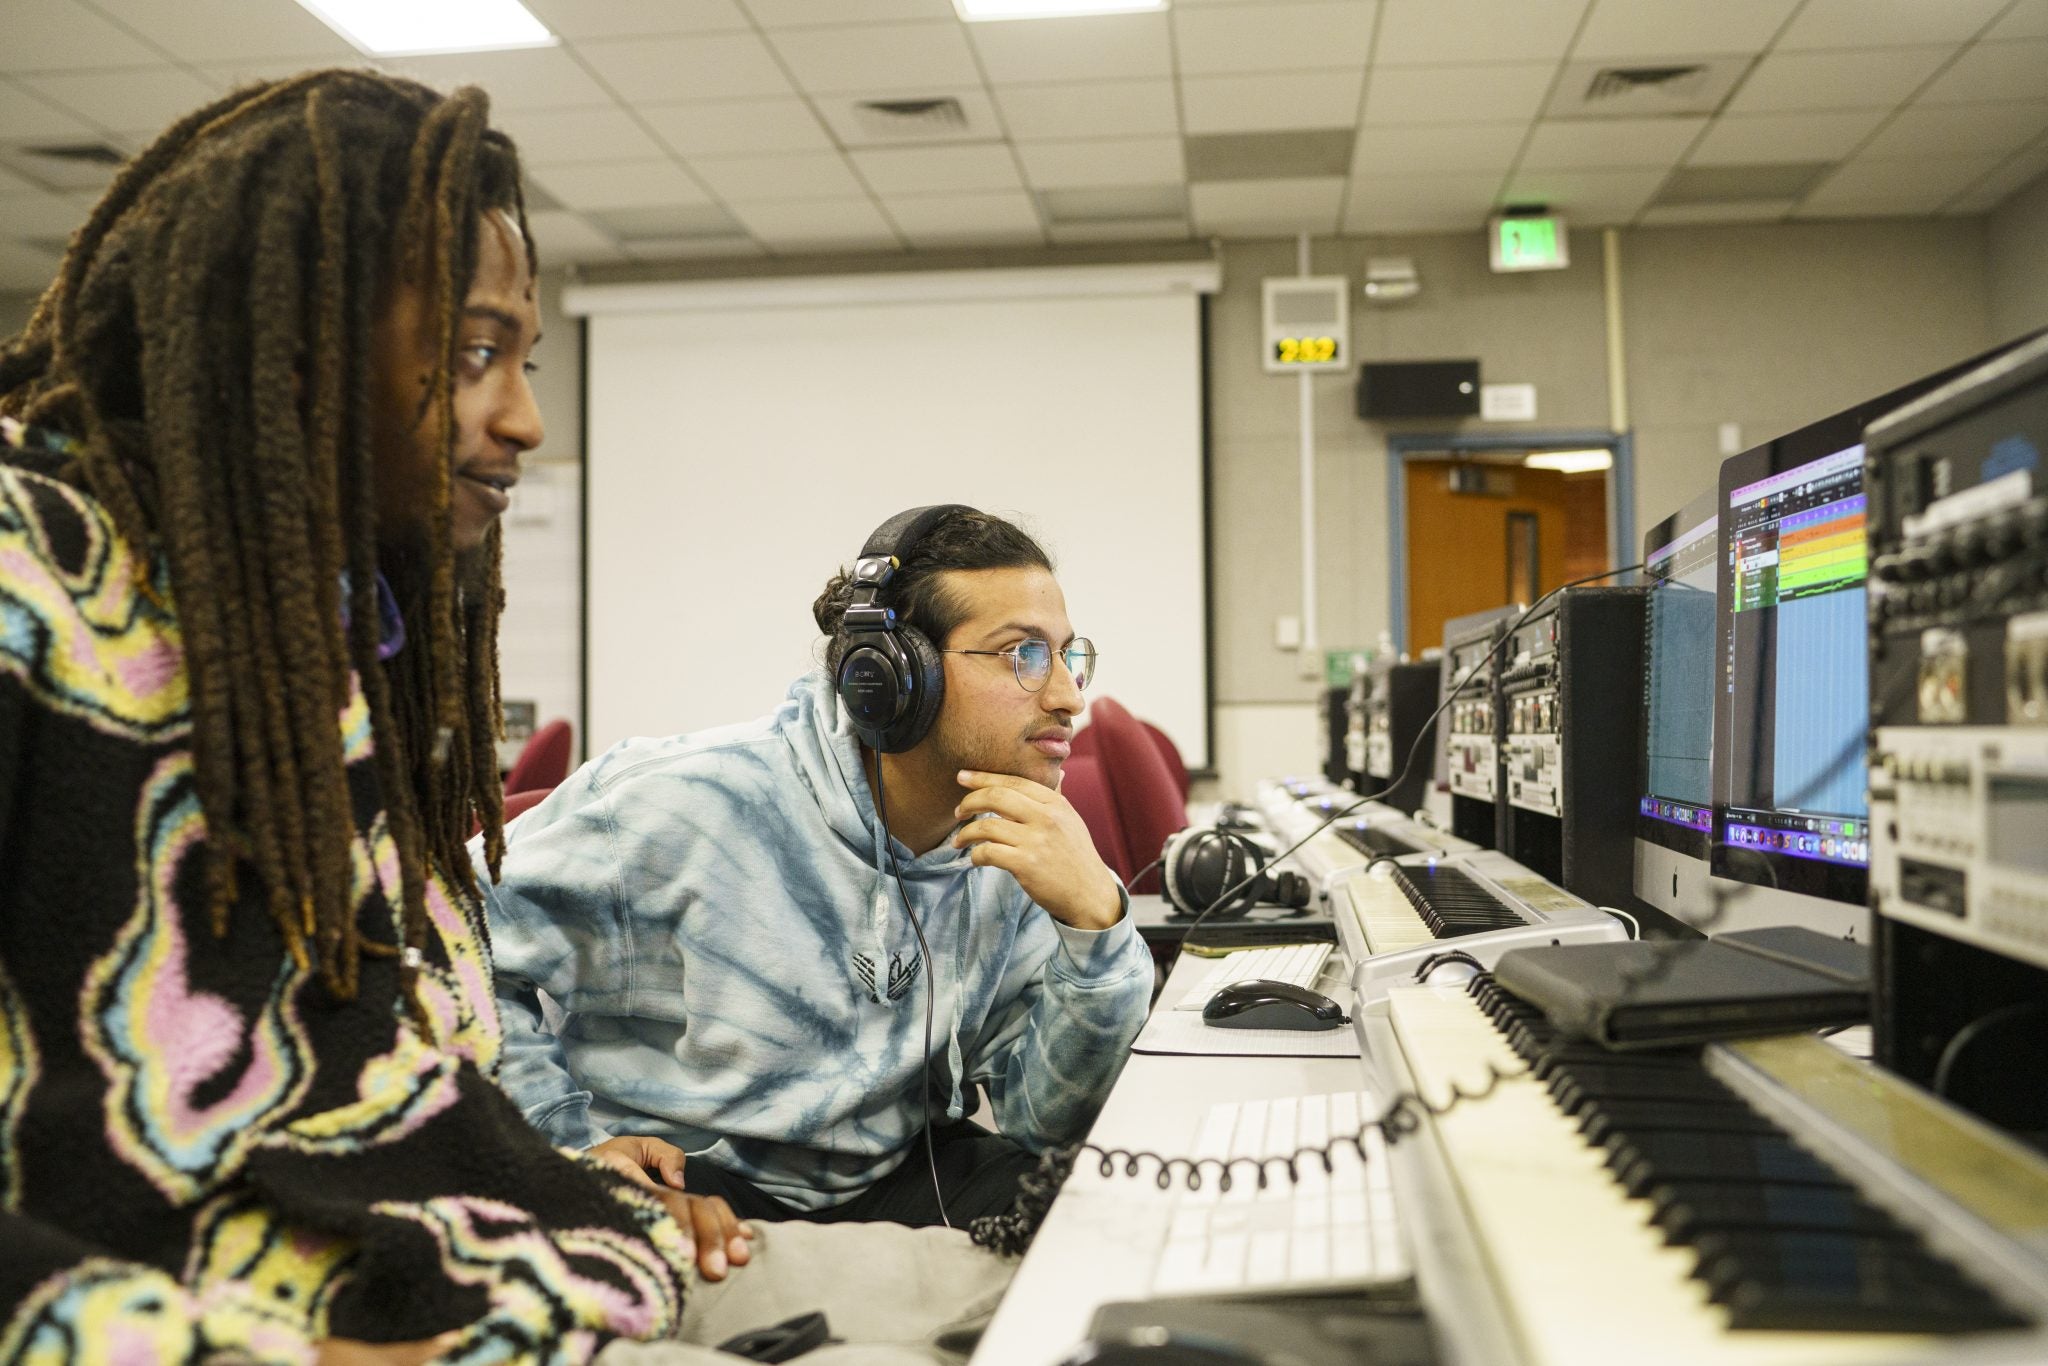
[[1200, 865], [891, 679]]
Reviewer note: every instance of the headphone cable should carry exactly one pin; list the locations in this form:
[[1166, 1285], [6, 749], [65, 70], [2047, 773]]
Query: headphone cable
[[924, 950]]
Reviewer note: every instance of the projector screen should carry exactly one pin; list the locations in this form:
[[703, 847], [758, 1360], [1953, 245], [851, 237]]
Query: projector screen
[[744, 437]]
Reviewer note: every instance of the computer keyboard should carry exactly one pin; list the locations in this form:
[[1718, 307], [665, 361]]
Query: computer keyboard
[[1319, 1231], [1300, 964]]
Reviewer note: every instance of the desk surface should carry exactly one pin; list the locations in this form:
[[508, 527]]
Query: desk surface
[[1098, 1244]]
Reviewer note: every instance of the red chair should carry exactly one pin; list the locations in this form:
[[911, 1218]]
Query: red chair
[[543, 762], [1082, 783], [519, 803], [1171, 753], [1143, 789]]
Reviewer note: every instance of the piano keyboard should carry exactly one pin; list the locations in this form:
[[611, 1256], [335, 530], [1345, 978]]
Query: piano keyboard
[[1398, 915], [1700, 1231]]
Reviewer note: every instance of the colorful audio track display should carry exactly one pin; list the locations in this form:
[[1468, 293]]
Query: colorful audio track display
[[1796, 665]]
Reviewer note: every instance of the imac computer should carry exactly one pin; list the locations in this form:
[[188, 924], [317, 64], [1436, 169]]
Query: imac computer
[[1674, 823], [1791, 717]]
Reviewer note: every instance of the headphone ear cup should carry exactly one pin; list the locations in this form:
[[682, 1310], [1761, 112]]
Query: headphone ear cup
[[927, 671]]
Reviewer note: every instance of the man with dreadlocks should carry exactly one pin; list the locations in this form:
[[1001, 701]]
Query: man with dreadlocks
[[256, 439]]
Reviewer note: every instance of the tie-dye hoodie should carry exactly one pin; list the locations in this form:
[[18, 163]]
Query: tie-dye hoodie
[[716, 917]]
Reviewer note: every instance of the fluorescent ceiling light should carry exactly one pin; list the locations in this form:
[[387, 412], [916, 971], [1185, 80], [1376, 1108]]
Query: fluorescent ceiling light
[[1571, 462], [975, 10], [411, 28]]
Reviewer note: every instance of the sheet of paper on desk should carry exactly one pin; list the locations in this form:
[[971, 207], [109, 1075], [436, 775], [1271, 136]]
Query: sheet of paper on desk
[[1180, 1031]]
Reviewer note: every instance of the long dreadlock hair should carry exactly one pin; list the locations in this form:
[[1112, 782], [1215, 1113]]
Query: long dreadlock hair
[[207, 345]]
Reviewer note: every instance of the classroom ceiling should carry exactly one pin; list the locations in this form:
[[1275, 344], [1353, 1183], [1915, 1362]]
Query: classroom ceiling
[[670, 129]]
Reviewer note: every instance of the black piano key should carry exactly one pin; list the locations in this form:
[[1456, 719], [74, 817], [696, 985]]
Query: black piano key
[[1601, 1119], [1647, 1160], [1834, 1282], [1688, 1210]]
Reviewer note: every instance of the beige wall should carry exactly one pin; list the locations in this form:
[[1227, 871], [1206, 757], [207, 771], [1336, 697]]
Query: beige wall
[[2017, 243], [1766, 327], [15, 306]]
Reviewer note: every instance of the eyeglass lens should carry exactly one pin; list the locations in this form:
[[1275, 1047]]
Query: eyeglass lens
[[1034, 662]]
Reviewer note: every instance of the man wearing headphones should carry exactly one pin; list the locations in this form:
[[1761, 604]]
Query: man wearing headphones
[[789, 948]]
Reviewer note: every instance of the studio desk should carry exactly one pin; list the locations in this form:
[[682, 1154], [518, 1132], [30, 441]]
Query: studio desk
[[1767, 1201]]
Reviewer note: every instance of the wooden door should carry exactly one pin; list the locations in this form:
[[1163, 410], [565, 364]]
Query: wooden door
[[1481, 535]]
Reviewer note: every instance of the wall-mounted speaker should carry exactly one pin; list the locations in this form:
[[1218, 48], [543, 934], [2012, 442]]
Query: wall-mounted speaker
[[1418, 388]]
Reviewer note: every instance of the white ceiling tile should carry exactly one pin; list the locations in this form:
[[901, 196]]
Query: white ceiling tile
[[578, 19], [873, 58], [1453, 32], [693, 248], [853, 127], [1086, 110], [1457, 94], [805, 13], [125, 99], [1385, 201], [1103, 163], [1272, 103], [952, 220], [63, 35], [706, 67], [2014, 175], [12, 185], [564, 238], [1240, 208], [1958, 130], [525, 78], [1683, 215], [938, 170], [620, 185], [2026, 19], [1887, 23], [227, 30], [1137, 230], [1282, 37], [26, 267], [1993, 71], [552, 137], [1881, 78], [814, 176], [1754, 139], [1659, 28], [39, 213], [1452, 149], [737, 127], [1604, 144], [1405, 221], [28, 117], [1906, 206], [1586, 197], [1097, 48], [1865, 180], [800, 222]]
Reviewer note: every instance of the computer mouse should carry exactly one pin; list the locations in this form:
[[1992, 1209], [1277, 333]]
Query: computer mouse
[[1260, 1004], [1159, 1347]]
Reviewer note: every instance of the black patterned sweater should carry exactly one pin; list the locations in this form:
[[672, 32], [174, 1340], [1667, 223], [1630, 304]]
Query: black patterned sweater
[[203, 1154]]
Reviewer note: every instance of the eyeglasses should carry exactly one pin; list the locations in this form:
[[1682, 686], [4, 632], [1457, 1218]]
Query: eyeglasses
[[1032, 661]]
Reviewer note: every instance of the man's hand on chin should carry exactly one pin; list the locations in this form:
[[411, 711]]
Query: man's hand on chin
[[711, 1231], [1038, 838]]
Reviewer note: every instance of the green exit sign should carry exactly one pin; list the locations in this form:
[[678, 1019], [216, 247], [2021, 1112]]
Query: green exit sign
[[1528, 241]]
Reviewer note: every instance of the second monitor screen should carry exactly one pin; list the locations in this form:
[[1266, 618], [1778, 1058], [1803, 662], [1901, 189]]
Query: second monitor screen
[[1794, 668]]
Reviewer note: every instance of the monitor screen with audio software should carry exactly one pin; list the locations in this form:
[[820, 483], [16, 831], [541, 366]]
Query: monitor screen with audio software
[[1675, 806], [1793, 709]]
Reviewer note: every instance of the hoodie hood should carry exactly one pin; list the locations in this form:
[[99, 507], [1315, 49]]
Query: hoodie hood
[[827, 752]]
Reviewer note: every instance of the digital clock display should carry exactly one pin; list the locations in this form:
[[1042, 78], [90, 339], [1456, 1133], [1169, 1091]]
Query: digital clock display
[[1305, 350]]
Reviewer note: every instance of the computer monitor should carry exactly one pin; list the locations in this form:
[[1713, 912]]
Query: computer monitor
[[1675, 801], [1791, 716]]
